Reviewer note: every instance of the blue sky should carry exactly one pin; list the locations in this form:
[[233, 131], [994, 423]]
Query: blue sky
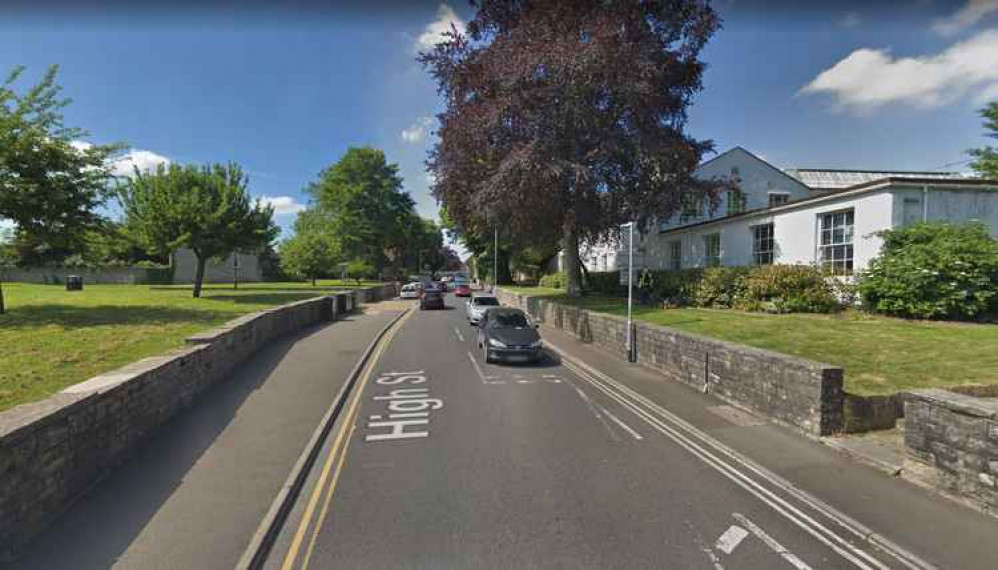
[[284, 92]]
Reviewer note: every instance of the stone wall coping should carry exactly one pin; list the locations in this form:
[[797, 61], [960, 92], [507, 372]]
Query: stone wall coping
[[805, 363], [960, 403]]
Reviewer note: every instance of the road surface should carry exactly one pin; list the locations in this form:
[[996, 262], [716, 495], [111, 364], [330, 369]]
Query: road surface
[[581, 461]]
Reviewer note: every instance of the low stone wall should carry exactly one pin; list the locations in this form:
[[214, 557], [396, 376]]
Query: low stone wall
[[792, 391], [951, 443], [109, 275], [869, 413], [53, 451]]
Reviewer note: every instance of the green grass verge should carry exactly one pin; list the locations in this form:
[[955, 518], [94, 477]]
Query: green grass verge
[[880, 355], [51, 338]]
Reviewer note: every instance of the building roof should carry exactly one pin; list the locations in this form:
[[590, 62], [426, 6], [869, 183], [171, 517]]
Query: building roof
[[877, 184], [831, 179], [789, 177]]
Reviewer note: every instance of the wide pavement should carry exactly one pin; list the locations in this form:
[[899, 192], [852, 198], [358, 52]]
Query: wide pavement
[[581, 461]]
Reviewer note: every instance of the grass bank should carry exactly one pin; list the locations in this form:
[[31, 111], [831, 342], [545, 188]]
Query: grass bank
[[52, 338], [880, 355]]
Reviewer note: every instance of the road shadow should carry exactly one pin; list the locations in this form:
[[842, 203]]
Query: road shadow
[[549, 360], [100, 527]]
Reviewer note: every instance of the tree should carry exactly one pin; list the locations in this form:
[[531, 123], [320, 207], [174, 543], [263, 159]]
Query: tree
[[50, 184], [359, 270], [362, 200], [564, 119], [985, 162], [206, 209], [312, 251]]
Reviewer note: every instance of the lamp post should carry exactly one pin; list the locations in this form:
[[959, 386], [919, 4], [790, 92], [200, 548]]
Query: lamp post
[[495, 260], [630, 291]]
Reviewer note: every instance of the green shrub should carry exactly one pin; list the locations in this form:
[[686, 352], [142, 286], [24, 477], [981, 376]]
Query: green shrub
[[721, 287], [788, 289], [679, 286], [934, 271], [554, 280], [606, 283]]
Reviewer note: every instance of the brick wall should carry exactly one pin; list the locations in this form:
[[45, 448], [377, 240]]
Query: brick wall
[[792, 391], [53, 451], [951, 443]]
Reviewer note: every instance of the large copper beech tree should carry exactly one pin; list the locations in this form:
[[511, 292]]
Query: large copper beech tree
[[565, 119]]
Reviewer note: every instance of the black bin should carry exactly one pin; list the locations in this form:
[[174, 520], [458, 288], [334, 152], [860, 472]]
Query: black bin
[[74, 283]]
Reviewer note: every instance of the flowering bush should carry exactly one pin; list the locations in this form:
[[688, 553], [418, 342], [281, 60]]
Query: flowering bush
[[934, 271], [789, 289]]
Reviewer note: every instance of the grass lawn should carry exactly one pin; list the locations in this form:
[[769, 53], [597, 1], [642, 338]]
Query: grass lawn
[[51, 338], [880, 355]]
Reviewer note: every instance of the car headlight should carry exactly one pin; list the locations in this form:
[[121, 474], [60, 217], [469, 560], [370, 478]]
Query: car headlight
[[535, 344], [496, 343]]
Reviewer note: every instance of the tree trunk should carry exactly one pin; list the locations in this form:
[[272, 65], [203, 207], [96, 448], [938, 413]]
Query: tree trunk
[[3, 308], [313, 281], [199, 278], [573, 273]]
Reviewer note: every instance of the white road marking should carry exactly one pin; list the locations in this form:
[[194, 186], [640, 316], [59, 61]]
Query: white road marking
[[622, 425], [460, 336], [771, 542], [856, 556], [592, 408], [731, 538], [478, 368]]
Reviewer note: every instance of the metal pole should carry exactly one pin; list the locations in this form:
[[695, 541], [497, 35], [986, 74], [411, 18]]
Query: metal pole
[[495, 261], [630, 291]]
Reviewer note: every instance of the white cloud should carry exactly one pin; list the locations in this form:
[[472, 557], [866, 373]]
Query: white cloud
[[435, 30], [850, 20], [974, 11], [283, 205], [869, 78], [144, 160], [417, 131]]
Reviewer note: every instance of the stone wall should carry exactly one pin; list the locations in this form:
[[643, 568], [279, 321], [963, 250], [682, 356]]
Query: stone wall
[[951, 443], [791, 391], [111, 275], [185, 266], [55, 450]]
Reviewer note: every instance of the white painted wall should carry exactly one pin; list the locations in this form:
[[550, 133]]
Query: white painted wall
[[947, 205]]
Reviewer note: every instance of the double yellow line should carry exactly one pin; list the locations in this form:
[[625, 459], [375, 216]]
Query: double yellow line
[[335, 461]]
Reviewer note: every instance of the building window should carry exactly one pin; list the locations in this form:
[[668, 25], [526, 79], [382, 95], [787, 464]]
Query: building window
[[835, 251], [712, 250], [692, 208], [778, 199], [736, 202], [762, 244], [675, 255]]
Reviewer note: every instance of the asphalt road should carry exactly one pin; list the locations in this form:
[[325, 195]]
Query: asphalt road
[[443, 461]]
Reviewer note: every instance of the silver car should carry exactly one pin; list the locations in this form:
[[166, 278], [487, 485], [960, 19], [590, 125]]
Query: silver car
[[478, 305]]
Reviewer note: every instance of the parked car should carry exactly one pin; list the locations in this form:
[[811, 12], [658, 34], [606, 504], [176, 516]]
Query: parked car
[[507, 334], [411, 291], [462, 290], [477, 306], [431, 299]]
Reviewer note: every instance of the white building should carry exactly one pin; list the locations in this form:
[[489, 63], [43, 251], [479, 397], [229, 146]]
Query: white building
[[831, 220]]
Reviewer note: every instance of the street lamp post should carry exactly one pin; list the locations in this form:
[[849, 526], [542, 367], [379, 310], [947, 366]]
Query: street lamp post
[[495, 261], [630, 291]]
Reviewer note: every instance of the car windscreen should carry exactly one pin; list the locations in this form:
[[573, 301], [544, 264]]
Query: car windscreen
[[508, 320], [486, 301]]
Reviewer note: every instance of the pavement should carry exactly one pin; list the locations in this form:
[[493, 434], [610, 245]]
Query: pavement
[[193, 496], [586, 461], [439, 460]]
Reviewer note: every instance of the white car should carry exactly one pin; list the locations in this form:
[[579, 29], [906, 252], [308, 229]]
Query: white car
[[478, 305], [411, 291]]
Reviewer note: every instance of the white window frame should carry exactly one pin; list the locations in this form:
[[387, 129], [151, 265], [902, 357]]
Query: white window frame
[[739, 197], [676, 261], [708, 259], [757, 253], [770, 195], [838, 255]]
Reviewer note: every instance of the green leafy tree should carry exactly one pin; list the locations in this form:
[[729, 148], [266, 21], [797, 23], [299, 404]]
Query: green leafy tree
[[986, 159], [207, 209], [312, 251], [935, 271], [360, 269], [362, 200], [50, 185]]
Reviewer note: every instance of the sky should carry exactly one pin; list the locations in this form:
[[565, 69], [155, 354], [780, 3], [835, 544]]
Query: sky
[[284, 91]]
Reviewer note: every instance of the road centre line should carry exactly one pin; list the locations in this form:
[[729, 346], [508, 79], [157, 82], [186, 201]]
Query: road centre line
[[346, 426], [791, 513], [862, 532], [460, 336], [622, 425], [771, 542]]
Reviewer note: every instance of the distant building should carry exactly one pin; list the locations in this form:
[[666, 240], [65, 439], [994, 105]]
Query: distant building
[[828, 180], [185, 268]]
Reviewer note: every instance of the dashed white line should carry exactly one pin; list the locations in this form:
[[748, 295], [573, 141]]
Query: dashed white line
[[731, 538], [592, 408], [771, 542], [460, 336], [478, 368], [622, 425]]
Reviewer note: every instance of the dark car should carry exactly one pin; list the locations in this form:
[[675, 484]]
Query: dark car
[[431, 299], [507, 334]]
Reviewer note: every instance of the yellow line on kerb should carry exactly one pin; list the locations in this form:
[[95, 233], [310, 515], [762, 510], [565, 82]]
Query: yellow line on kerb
[[345, 427]]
